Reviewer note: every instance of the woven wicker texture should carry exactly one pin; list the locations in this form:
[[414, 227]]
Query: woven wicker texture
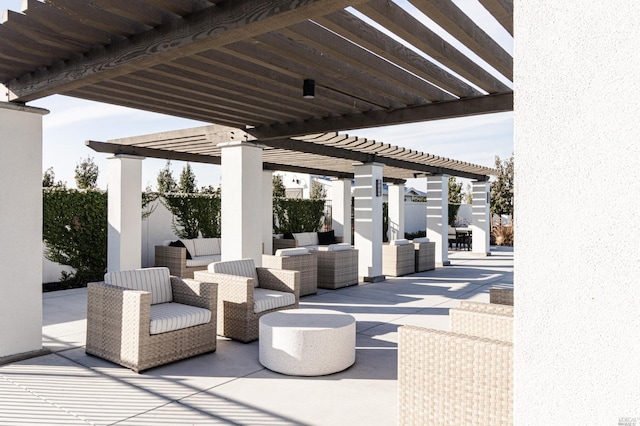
[[283, 243], [398, 260], [453, 379], [306, 264], [490, 321], [425, 256], [118, 323], [236, 318], [175, 258], [503, 296], [337, 269]]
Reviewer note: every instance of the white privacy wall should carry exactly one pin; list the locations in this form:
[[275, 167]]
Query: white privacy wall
[[577, 263]]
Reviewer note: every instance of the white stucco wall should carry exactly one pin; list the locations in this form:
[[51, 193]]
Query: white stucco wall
[[577, 263], [21, 229]]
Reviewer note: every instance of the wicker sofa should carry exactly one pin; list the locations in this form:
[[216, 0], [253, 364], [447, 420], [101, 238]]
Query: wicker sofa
[[398, 258], [245, 293], [185, 256], [425, 254], [464, 376], [144, 318]]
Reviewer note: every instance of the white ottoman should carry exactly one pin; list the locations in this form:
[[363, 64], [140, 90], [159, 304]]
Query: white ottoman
[[307, 342]]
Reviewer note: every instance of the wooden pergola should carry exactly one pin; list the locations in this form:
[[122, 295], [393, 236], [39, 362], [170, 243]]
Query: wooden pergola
[[242, 63]]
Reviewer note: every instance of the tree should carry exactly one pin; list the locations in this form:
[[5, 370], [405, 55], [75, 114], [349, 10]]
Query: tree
[[279, 190], [165, 181], [468, 195], [502, 188], [455, 198], [318, 192], [86, 174], [49, 180], [188, 182]]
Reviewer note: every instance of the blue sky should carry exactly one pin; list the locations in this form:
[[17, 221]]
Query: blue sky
[[477, 139]]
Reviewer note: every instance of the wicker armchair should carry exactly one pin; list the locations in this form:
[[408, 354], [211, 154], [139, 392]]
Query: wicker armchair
[[425, 254], [398, 258], [296, 259], [337, 266], [460, 377], [119, 320], [245, 293]]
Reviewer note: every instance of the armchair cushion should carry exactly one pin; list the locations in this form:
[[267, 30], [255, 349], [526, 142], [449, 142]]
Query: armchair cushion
[[336, 247], [307, 238], [167, 317], [400, 242], [203, 260], [243, 268], [421, 240], [206, 246], [265, 299], [154, 280], [298, 251], [191, 248]]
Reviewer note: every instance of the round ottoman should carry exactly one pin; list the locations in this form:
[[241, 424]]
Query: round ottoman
[[307, 342]]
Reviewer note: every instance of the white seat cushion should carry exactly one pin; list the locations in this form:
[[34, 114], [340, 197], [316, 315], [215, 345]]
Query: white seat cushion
[[336, 247], [206, 246], [242, 268], [298, 251], [175, 316], [265, 299], [421, 240], [154, 280], [306, 238], [203, 260], [400, 242]]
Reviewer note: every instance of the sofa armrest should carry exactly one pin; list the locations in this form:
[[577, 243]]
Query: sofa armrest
[[231, 288], [280, 280], [281, 243], [174, 258], [195, 293]]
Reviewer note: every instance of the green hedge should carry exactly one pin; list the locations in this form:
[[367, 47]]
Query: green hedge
[[194, 214], [297, 215], [75, 232]]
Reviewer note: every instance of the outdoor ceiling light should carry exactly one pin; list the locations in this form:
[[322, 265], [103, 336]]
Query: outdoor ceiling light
[[309, 89]]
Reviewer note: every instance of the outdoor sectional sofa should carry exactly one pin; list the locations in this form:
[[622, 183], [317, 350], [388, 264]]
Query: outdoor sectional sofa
[[184, 256]]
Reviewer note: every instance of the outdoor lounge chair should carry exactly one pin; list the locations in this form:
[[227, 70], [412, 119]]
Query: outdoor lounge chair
[[464, 376], [245, 293], [398, 258], [296, 259], [337, 266], [425, 254], [144, 318]]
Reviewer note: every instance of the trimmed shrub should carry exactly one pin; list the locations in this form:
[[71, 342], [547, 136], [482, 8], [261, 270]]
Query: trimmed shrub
[[194, 214], [297, 215]]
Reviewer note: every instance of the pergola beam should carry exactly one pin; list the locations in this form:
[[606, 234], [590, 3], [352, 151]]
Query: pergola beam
[[435, 111]]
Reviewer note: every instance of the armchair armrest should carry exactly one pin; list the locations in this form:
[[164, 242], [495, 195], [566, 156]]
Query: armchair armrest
[[195, 293], [280, 280], [282, 243]]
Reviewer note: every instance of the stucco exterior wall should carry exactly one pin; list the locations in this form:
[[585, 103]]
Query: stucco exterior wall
[[577, 263]]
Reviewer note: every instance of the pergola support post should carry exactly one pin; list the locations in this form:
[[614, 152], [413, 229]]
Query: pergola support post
[[124, 234], [367, 195], [438, 216], [480, 219], [396, 211], [341, 208], [242, 201], [21, 230]]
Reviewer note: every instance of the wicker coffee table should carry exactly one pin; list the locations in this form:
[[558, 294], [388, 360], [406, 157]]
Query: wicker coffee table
[[307, 342]]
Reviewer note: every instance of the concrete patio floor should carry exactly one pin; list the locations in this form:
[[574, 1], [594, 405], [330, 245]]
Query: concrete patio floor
[[230, 386]]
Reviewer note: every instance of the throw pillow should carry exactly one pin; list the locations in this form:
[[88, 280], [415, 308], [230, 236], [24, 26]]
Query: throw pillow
[[179, 243], [288, 236], [326, 238]]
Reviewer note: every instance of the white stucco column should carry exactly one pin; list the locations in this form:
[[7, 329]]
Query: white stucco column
[[124, 235], [267, 212], [480, 218], [341, 208], [21, 229], [438, 215], [396, 211], [242, 201], [367, 199]]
